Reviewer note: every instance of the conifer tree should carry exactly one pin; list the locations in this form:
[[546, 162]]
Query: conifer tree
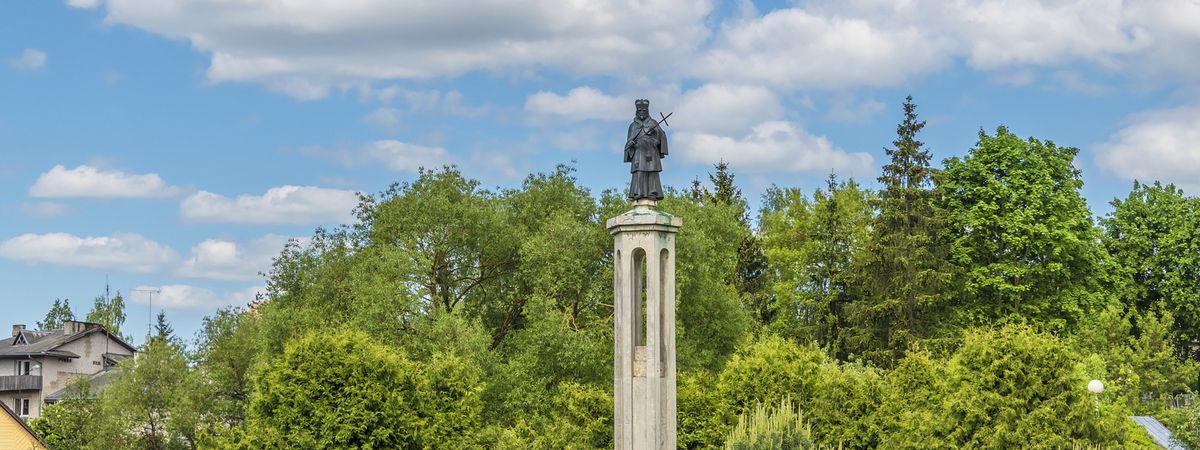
[[905, 278]]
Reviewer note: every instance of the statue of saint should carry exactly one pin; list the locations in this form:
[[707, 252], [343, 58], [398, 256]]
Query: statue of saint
[[646, 147]]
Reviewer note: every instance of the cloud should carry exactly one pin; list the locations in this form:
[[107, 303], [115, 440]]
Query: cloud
[[385, 118], [581, 103], [776, 146], [86, 4], [185, 297], [124, 252], [219, 259], [293, 205], [844, 109], [724, 109], [797, 49], [46, 209], [29, 60], [324, 43], [1160, 145], [88, 181], [395, 155]]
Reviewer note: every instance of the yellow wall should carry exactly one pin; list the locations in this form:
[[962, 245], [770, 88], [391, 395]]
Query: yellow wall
[[14, 436]]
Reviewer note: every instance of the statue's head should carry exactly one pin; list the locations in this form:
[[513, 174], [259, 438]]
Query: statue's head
[[643, 108]]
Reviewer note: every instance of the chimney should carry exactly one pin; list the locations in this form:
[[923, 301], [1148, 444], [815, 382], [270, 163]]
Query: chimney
[[72, 327], [17, 329]]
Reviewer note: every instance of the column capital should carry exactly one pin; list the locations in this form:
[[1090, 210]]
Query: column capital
[[644, 220]]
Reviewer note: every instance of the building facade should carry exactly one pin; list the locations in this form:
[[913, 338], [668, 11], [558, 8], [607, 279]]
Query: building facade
[[34, 364]]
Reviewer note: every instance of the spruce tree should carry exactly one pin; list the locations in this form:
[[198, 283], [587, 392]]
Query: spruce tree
[[905, 278]]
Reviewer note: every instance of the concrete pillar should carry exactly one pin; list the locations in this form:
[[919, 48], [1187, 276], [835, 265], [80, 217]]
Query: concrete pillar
[[644, 328]]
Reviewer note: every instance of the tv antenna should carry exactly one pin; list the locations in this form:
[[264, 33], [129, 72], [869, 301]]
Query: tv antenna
[[150, 310]]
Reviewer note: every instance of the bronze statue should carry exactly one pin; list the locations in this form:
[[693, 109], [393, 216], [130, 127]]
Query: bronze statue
[[646, 147]]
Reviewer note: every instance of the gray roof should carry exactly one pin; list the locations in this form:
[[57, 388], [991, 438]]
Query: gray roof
[[1157, 431], [29, 343], [96, 382]]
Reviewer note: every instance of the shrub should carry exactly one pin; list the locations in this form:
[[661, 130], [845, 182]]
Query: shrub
[[771, 428]]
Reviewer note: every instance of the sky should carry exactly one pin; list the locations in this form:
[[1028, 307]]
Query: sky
[[176, 146]]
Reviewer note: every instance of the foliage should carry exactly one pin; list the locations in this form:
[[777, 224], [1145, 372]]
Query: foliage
[[905, 277], [1022, 232], [341, 390], [59, 313], [704, 418], [752, 278], [1132, 365], [109, 312], [709, 319], [812, 245], [771, 428], [1154, 239]]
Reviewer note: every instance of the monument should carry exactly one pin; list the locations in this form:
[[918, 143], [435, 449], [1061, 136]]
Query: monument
[[644, 303]]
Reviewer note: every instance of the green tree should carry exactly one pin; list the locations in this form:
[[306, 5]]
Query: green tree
[[905, 275], [110, 313], [753, 277], [812, 246], [162, 328], [1022, 233], [1154, 239], [340, 390], [453, 231], [59, 313], [141, 396]]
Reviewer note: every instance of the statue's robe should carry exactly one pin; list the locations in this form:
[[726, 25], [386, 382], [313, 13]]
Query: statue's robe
[[645, 147]]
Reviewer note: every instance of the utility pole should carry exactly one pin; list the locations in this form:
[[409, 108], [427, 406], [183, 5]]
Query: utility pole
[[150, 310]]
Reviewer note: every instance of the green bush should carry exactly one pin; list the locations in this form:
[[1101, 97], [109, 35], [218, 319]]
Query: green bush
[[771, 428], [704, 418], [341, 390]]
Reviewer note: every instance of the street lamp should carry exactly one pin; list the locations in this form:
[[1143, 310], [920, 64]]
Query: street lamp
[[1096, 387]]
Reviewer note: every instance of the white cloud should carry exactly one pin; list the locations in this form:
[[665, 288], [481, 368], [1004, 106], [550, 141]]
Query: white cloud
[[396, 155], [844, 108], [385, 118], [796, 49], [723, 109], [86, 4], [29, 60], [324, 42], [219, 259], [88, 181], [581, 103], [777, 146], [124, 252], [280, 205], [182, 296], [46, 209], [1160, 145]]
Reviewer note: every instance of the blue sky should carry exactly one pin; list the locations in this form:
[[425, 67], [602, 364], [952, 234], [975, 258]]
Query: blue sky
[[177, 145]]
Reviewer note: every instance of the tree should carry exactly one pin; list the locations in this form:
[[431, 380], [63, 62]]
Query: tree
[[1154, 239], [453, 230], [752, 279], [340, 390], [162, 328], [59, 313], [812, 245], [110, 313], [1022, 233], [905, 275]]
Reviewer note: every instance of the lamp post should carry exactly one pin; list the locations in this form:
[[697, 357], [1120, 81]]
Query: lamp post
[[1096, 387]]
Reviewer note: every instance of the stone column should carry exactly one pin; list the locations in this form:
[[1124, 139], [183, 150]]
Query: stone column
[[644, 328]]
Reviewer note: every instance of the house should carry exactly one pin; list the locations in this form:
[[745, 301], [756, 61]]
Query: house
[[36, 363], [15, 433]]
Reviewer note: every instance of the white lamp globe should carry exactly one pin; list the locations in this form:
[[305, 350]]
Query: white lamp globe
[[1096, 386]]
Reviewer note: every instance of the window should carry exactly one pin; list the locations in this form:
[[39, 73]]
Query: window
[[23, 367], [22, 407]]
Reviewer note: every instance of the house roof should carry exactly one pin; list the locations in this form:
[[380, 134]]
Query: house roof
[[95, 382], [24, 425], [29, 343]]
